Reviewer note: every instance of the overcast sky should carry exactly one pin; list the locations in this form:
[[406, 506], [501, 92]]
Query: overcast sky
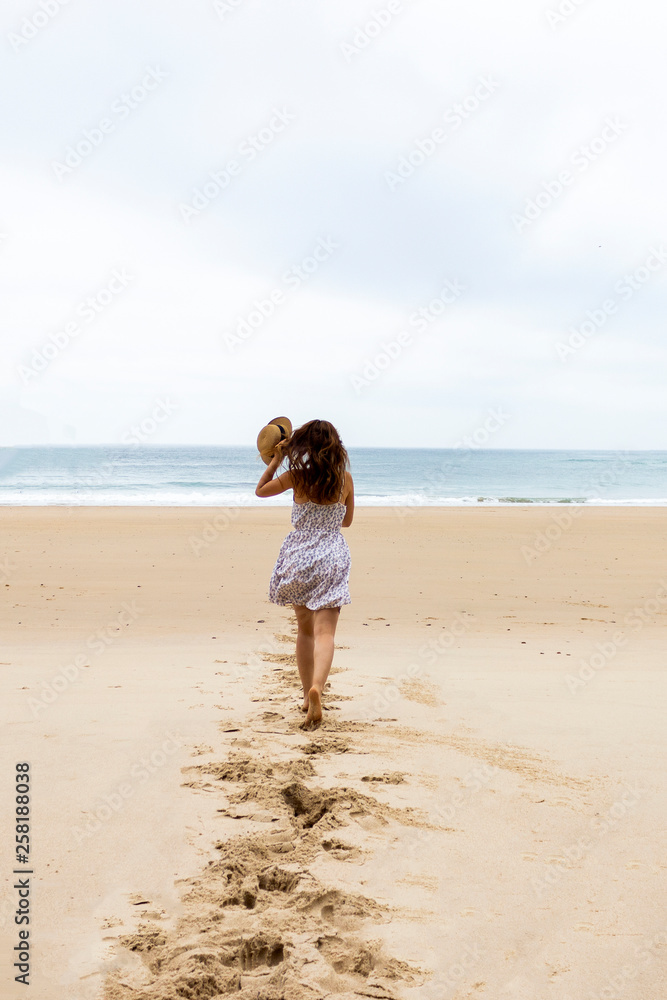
[[399, 215]]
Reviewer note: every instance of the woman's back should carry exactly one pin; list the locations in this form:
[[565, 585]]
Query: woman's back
[[311, 516]]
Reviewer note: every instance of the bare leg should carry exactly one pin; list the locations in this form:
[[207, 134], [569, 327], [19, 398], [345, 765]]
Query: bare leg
[[305, 642], [324, 630]]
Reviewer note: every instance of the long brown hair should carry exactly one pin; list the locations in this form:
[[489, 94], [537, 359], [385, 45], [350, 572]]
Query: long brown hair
[[317, 461]]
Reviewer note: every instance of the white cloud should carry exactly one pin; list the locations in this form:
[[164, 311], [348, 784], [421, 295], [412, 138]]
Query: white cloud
[[324, 177]]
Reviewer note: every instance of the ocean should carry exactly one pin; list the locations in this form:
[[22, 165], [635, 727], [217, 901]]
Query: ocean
[[143, 475]]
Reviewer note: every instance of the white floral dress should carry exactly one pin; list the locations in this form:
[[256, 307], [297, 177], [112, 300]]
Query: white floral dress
[[313, 564]]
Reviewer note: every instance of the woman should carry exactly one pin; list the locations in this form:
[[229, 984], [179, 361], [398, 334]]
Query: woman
[[313, 565]]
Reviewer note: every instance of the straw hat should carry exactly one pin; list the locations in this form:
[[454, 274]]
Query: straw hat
[[278, 429]]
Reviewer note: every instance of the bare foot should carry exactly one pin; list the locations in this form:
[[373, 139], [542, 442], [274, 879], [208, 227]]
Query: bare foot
[[304, 707], [314, 717]]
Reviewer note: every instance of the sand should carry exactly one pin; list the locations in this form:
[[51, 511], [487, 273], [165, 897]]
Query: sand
[[481, 814]]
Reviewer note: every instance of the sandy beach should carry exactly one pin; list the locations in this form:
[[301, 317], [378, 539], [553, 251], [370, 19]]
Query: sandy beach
[[481, 814]]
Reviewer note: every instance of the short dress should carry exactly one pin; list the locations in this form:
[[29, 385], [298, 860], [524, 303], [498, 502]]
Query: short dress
[[313, 565]]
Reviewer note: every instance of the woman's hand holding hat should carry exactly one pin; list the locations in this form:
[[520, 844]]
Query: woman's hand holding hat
[[277, 455]]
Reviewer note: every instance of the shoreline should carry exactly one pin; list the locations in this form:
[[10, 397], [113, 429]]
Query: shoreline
[[474, 505]]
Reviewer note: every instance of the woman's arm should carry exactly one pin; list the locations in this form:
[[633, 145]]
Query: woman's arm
[[349, 503], [270, 487]]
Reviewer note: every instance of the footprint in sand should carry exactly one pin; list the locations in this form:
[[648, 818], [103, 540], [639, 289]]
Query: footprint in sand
[[423, 692], [339, 850], [288, 659], [390, 778], [326, 745], [284, 930]]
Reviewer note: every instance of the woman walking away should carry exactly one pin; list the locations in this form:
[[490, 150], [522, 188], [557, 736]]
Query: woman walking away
[[313, 565]]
